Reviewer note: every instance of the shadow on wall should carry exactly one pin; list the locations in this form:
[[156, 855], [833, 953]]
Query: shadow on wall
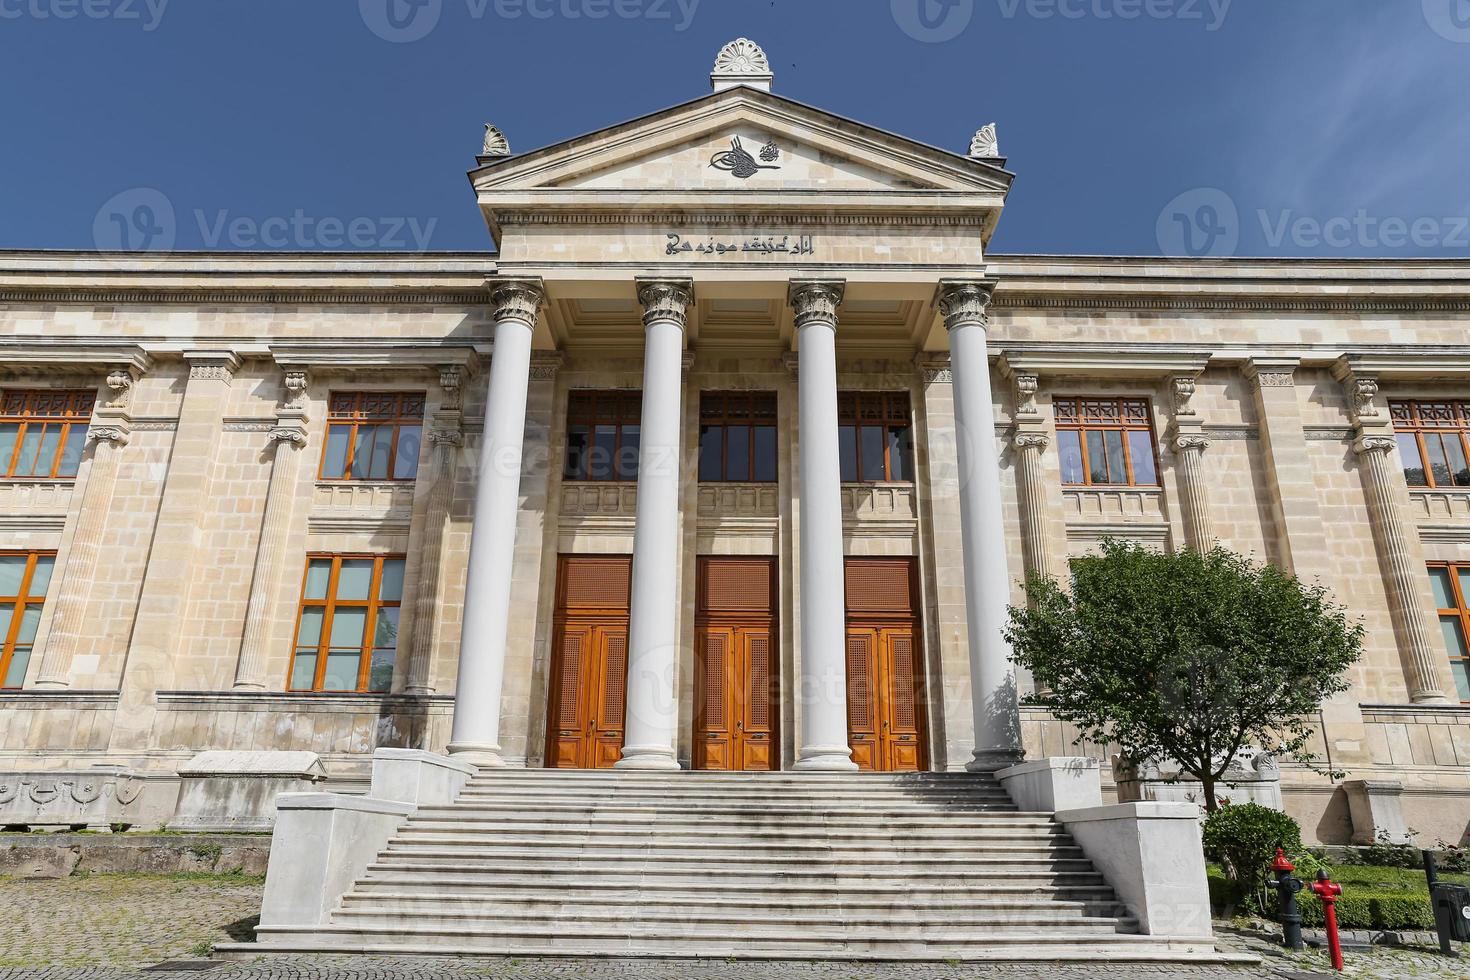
[[1335, 826]]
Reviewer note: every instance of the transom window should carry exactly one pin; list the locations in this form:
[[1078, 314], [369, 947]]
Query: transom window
[[373, 435], [1431, 438], [737, 437], [347, 626], [875, 437], [1106, 442], [24, 578], [43, 433], [1451, 583], [603, 435]]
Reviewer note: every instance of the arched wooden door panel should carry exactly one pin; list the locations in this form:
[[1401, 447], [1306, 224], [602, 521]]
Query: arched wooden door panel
[[885, 667], [735, 665], [589, 669]]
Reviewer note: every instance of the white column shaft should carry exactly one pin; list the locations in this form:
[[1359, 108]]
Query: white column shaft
[[982, 532], [653, 642], [476, 731], [822, 690]]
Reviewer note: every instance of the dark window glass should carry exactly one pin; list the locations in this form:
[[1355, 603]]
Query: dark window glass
[[874, 436], [740, 427], [1106, 442], [1413, 463], [1431, 440], [373, 435], [602, 435], [1451, 584]]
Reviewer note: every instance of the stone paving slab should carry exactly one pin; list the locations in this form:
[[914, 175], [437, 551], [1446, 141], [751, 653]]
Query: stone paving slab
[[114, 927]]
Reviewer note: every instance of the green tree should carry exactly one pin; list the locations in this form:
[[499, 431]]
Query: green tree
[[1186, 656]]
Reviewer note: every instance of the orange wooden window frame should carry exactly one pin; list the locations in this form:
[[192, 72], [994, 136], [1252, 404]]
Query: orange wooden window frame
[[886, 409], [353, 410], [22, 601], [329, 605], [617, 407], [1409, 420], [1461, 610], [1072, 415], [751, 409], [26, 408]]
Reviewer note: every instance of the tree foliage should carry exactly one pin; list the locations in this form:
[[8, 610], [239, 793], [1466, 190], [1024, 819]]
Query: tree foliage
[[1188, 656]]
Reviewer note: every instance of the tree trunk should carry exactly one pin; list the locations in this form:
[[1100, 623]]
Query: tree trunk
[[1207, 783]]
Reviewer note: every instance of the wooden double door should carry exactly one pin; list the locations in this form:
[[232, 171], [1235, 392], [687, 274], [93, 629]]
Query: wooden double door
[[885, 666], [589, 669], [736, 665]]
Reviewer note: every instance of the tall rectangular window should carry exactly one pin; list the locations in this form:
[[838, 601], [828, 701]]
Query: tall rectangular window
[[24, 578], [875, 437], [603, 430], [1106, 442], [1432, 441], [1451, 582], [347, 625], [373, 435], [42, 433], [737, 437]]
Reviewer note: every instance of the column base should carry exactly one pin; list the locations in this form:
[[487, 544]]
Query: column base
[[248, 686], [50, 685], [651, 758], [825, 758], [991, 760], [1429, 697], [482, 755]]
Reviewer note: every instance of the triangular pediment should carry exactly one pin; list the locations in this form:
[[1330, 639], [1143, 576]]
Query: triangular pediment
[[740, 145]]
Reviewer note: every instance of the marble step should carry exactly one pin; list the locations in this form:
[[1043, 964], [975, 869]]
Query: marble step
[[735, 820], [634, 832], [776, 806], [633, 875], [895, 906], [661, 845], [532, 863], [701, 891], [776, 924]]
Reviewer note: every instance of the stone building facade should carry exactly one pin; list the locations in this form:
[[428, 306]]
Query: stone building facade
[[210, 453]]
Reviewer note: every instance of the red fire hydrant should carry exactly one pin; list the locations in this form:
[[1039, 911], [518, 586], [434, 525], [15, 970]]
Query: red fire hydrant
[[1328, 892]]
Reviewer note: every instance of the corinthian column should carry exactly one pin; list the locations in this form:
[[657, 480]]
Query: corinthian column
[[982, 526], [75, 581], [1190, 442], [445, 440], [652, 716], [476, 730], [822, 686]]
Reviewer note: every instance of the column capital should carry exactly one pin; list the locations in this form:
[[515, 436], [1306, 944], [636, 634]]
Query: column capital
[[289, 434], [963, 301], [212, 365], [446, 437], [1365, 445], [545, 364], [934, 367], [665, 300], [516, 299], [115, 434], [1361, 388], [1191, 442], [815, 301], [1031, 440], [1272, 372]]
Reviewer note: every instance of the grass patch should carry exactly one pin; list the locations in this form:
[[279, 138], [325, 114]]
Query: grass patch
[[236, 876]]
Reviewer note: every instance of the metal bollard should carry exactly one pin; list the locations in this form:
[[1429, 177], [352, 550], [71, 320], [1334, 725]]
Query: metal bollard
[[1287, 885]]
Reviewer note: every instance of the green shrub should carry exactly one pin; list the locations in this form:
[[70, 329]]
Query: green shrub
[[1371, 909], [1243, 838], [1383, 854]]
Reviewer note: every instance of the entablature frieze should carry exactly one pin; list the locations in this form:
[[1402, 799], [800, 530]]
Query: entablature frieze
[[342, 358], [62, 357]]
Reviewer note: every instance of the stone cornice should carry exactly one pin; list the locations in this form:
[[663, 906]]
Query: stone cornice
[[1143, 302], [1104, 362], [82, 357], [238, 295], [342, 357], [777, 218]]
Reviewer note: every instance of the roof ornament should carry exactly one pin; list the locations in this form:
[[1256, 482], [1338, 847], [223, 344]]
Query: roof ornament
[[985, 146], [741, 62], [496, 145]]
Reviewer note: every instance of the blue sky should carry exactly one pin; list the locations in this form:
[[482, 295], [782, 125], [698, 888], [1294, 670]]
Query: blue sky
[[1134, 126]]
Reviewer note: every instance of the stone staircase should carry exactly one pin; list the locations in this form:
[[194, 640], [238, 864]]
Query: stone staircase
[[773, 865]]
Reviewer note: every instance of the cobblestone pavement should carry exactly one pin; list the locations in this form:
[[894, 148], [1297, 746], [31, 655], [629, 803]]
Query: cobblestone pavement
[[113, 927]]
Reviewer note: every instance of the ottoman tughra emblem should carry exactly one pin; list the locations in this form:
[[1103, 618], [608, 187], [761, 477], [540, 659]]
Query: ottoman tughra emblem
[[738, 161]]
